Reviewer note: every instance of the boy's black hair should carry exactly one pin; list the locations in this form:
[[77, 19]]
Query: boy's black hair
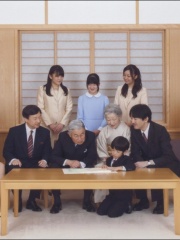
[[120, 143]]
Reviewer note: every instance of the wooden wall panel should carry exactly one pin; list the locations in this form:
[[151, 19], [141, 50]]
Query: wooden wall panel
[[2, 139], [174, 80], [7, 79]]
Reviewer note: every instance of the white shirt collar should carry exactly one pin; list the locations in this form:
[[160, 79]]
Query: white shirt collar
[[28, 129], [146, 131], [90, 95]]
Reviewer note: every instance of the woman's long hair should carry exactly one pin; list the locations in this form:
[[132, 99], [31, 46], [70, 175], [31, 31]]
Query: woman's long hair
[[134, 71], [58, 70]]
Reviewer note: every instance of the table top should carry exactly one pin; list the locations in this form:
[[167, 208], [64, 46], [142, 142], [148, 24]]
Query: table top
[[56, 174]]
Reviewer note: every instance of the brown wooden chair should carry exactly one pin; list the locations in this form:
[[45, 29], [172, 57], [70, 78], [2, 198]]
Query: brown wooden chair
[[2, 172]]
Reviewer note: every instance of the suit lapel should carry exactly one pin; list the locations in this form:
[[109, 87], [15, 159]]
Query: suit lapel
[[150, 133], [23, 139], [36, 140]]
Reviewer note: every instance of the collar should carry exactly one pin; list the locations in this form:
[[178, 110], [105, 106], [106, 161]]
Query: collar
[[90, 95], [28, 129]]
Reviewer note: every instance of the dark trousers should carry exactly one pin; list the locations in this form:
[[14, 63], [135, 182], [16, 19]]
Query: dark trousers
[[156, 195], [86, 199], [33, 194], [113, 207]]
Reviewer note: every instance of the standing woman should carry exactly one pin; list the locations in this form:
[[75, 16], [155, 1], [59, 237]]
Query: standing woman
[[55, 102], [91, 105], [131, 93]]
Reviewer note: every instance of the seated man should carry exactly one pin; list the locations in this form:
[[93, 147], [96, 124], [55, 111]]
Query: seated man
[[150, 147], [28, 146], [75, 148]]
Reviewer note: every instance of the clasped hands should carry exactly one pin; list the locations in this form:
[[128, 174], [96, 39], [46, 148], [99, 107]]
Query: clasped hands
[[73, 163], [56, 127]]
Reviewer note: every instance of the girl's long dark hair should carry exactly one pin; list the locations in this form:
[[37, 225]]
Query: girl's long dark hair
[[58, 70], [134, 71]]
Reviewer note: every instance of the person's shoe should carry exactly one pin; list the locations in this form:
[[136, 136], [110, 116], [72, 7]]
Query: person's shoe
[[32, 205], [129, 209], [141, 205], [159, 209], [55, 209], [88, 206]]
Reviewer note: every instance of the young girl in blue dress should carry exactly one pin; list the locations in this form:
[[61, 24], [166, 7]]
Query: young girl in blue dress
[[91, 105]]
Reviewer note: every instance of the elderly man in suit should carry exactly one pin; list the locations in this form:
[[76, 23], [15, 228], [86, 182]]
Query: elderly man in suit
[[151, 148], [28, 146], [75, 148]]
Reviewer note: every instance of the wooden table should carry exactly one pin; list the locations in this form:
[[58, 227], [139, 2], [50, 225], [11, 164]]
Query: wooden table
[[55, 179]]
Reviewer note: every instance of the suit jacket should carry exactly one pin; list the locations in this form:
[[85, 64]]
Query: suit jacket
[[158, 148], [66, 149], [15, 146], [127, 162]]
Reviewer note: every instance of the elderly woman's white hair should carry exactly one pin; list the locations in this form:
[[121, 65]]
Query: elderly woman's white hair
[[75, 125], [113, 108]]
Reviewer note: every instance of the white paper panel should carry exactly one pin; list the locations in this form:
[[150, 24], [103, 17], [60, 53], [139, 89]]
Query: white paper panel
[[91, 12], [22, 12], [159, 12]]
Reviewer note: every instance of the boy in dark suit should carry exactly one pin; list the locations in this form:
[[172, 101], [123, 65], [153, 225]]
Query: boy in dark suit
[[151, 148], [118, 201], [28, 146]]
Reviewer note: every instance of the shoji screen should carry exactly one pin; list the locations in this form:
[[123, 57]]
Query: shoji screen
[[105, 53], [37, 55]]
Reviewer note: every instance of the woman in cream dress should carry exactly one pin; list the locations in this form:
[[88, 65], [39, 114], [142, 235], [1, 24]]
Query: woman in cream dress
[[55, 102], [115, 127], [131, 93]]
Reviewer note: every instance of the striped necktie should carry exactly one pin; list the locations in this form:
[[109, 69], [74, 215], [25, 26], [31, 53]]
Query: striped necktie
[[30, 144], [144, 136]]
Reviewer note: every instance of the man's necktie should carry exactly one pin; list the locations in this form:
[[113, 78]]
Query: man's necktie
[[144, 136], [113, 161], [30, 144]]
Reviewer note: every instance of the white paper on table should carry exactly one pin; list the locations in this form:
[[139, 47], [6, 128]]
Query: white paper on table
[[86, 170]]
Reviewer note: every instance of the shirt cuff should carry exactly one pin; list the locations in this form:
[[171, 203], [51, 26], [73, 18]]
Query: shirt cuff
[[83, 165], [10, 163], [64, 164]]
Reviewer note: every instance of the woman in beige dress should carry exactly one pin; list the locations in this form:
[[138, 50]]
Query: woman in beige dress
[[115, 127], [131, 93], [55, 102]]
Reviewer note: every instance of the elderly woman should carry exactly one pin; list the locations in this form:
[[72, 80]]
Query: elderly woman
[[115, 127]]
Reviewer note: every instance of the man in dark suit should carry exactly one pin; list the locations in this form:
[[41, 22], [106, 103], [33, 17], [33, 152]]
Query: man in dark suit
[[28, 146], [151, 148], [75, 148]]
